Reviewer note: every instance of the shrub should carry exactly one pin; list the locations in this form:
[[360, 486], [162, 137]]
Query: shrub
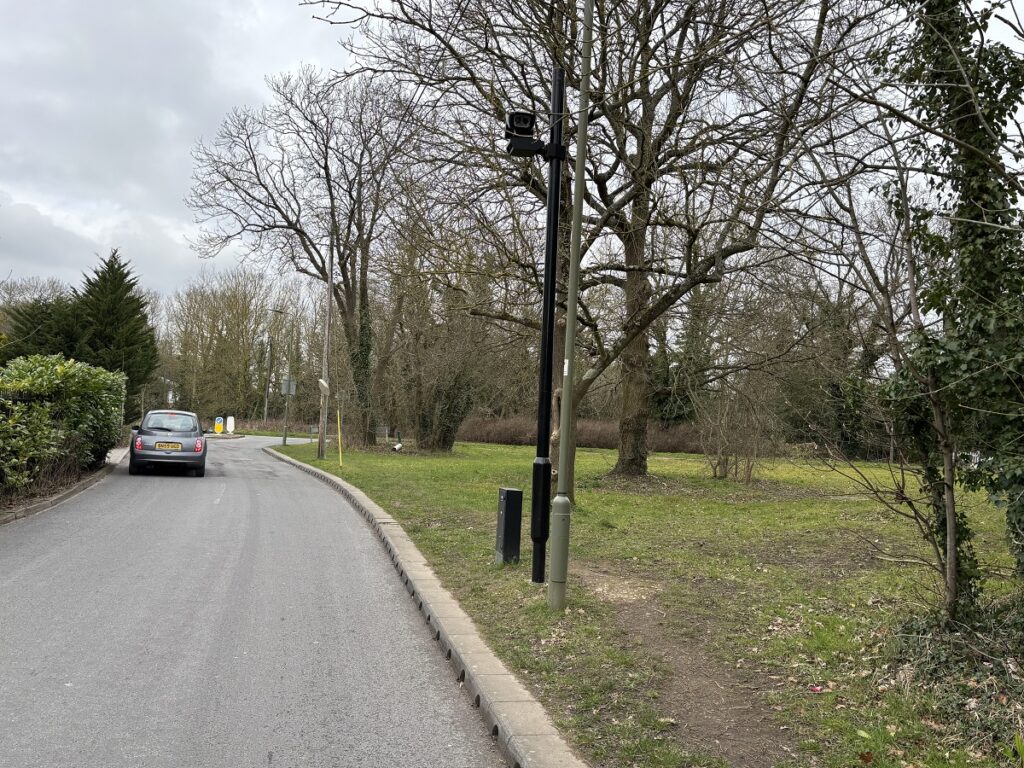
[[28, 440], [441, 414], [590, 433], [53, 407], [518, 430]]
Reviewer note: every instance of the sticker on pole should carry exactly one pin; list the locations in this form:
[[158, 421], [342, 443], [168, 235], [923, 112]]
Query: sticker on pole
[[218, 425]]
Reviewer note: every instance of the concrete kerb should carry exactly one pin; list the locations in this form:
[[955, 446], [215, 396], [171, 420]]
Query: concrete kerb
[[114, 457], [524, 733]]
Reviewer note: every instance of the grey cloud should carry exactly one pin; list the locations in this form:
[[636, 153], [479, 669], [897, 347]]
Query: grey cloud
[[103, 101], [162, 260], [32, 244], [115, 106]]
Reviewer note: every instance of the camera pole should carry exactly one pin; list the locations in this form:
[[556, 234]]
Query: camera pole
[[562, 506], [540, 501], [321, 443]]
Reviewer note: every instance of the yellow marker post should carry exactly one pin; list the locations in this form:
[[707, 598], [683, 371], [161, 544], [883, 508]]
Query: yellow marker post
[[339, 437]]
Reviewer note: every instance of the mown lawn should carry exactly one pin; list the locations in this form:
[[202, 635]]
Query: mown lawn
[[773, 594]]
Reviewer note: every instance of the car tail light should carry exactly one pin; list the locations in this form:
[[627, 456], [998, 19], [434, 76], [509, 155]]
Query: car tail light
[[199, 445], [138, 443]]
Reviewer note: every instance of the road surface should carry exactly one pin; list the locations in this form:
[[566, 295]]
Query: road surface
[[248, 618]]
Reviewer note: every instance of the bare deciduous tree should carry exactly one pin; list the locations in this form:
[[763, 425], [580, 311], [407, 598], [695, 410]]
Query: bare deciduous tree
[[305, 182], [701, 118]]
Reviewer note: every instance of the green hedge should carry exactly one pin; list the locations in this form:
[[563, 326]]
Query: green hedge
[[28, 442], [56, 409]]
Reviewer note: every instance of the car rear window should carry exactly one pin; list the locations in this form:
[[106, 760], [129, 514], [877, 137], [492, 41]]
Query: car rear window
[[175, 422]]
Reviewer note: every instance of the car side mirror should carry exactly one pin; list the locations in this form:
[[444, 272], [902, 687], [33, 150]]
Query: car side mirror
[[136, 427]]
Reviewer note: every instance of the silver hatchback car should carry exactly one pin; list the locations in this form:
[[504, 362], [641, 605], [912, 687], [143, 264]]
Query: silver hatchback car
[[168, 437]]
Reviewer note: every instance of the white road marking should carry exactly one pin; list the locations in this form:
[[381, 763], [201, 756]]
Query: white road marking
[[223, 487]]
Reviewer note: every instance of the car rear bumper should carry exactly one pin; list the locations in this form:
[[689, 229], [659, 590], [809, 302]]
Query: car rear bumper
[[169, 457]]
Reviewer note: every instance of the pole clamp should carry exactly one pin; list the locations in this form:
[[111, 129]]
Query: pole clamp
[[555, 151]]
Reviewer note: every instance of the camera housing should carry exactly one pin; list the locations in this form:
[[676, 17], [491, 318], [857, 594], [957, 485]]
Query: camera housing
[[519, 127], [520, 124]]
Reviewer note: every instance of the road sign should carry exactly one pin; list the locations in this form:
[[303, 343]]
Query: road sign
[[231, 425], [218, 425], [287, 386]]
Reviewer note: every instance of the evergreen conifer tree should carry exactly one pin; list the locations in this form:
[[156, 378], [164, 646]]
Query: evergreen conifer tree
[[44, 327], [118, 333]]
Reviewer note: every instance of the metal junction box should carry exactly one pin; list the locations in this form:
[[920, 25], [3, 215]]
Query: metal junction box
[[510, 524]]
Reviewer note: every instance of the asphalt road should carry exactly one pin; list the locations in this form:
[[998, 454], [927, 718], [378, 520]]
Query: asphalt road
[[248, 618]]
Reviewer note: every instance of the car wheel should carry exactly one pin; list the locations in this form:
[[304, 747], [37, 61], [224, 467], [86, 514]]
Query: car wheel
[[133, 468], [201, 471]]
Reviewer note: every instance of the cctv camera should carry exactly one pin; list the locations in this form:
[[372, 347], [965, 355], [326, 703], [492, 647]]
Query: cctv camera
[[519, 124]]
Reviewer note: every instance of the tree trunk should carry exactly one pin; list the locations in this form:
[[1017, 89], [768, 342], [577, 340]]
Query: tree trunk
[[952, 556], [571, 469], [556, 439], [941, 425], [561, 296], [556, 389], [635, 361], [361, 376], [634, 412], [359, 337]]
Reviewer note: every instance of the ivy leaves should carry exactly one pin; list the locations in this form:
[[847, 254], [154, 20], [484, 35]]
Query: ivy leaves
[[969, 88]]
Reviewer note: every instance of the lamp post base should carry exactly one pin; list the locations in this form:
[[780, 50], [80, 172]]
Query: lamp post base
[[560, 515], [540, 513]]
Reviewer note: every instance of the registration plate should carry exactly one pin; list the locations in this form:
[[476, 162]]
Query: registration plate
[[168, 446]]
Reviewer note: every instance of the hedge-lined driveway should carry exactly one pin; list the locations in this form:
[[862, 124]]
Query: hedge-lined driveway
[[248, 619]]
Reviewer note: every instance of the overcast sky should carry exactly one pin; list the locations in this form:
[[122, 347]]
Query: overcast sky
[[100, 104]]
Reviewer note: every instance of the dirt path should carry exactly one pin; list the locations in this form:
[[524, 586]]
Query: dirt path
[[717, 709]]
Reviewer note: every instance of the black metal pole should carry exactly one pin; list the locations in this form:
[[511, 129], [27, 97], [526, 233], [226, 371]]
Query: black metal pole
[[540, 501]]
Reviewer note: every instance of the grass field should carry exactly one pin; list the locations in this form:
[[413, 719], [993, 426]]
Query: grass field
[[710, 623]]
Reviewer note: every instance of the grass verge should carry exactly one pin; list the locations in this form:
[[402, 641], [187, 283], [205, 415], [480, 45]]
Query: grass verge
[[769, 596]]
